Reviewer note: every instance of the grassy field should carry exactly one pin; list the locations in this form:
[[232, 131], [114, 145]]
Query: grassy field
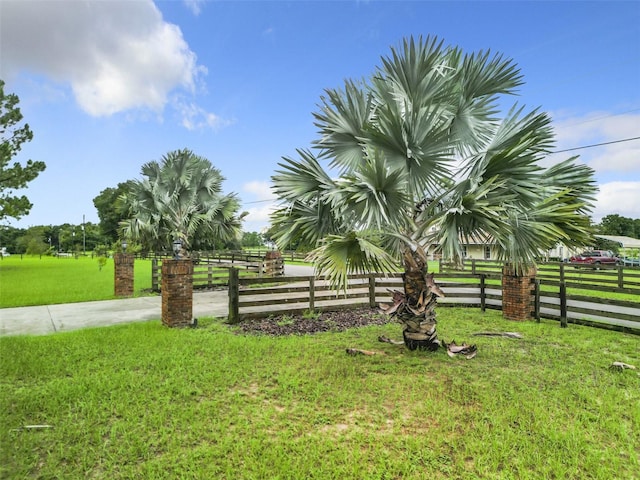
[[33, 280], [144, 402]]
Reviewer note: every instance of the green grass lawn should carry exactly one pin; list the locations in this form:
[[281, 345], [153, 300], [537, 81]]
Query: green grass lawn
[[33, 280], [141, 401]]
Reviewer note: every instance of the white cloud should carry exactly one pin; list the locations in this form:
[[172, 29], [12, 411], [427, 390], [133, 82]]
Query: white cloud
[[618, 158], [194, 117], [195, 6], [261, 190], [260, 215], [116, 55], [622, 198], [259, 209], [602, 127], [617, 165]]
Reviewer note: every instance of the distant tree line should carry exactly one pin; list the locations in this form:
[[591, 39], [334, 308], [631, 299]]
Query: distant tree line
[[619, 225], [67, 238], [49, 239]]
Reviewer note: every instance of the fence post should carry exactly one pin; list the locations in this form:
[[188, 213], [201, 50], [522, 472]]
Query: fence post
[[154, 275], [562, 272], [372, 290], [234, 297], [536, 300], [483, 294], [563, 305], [620, 276], [473, 266], [210, 276], [312, 293]]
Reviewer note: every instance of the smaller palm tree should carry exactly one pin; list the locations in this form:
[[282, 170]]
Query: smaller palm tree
[[180, 198]]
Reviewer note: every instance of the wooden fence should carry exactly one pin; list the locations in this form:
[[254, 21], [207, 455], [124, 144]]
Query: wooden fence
[[212, 269], [550, 298], [580, 294], [606, 278], [290, 255]]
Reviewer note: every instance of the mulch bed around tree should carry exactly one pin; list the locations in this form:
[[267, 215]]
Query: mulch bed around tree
[[296, 324]]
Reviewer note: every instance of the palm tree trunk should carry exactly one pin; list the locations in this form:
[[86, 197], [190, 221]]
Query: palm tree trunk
[[419, 315]]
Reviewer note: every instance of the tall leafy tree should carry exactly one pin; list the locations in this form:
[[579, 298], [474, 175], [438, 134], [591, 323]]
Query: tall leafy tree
[[111, 211], [618, 225], [251, 239], [180, 197], [418, 155], [14, 176]]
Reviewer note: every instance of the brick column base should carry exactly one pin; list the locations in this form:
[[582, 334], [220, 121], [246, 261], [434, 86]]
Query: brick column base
[[177, 292], [517, 294], [123, 274], [274, 264]]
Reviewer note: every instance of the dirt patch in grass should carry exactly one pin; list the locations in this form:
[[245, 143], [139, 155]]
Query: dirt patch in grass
[[297, 324]]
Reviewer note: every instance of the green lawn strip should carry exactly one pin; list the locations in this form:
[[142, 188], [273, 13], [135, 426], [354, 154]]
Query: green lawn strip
[[143, 401], [32, 280]]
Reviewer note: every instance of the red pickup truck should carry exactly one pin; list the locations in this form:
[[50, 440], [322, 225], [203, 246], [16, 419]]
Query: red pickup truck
[[595, 258]]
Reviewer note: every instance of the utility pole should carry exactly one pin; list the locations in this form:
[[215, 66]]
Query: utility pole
[[84, 238]]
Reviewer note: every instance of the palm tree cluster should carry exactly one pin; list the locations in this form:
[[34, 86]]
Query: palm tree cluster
[[180, 198], [419, 155]]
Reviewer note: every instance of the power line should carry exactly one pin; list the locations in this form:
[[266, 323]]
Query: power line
[[561, 127], [260, 201], [596, 145]]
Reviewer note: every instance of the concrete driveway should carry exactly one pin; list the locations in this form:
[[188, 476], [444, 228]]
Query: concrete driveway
[[45, 319]]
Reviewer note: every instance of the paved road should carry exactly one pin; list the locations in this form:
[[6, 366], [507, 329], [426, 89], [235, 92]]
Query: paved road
[[45, 319]]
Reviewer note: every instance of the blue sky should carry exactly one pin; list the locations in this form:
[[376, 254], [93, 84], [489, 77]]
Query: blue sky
[[109, 85]]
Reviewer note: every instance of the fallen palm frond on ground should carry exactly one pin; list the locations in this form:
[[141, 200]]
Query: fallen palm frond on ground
[[498, 334], [622, 366]]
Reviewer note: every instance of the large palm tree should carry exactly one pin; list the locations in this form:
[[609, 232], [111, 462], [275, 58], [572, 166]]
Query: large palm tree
[[418, 155], [180, 198]]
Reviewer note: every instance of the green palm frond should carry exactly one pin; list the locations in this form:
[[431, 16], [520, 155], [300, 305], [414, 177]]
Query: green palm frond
[[300, 180], [472, 212], [417, 143], [579, 178], [343, 117], [514, 154], [484, 75], [556, 218], [415, 72], [472, 125], [376, 193], [354, 252], [306, 222]]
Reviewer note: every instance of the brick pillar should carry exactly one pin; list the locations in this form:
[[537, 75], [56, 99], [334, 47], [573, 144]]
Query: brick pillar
[[177, 292], [274, 264], [517, 293], [123, 274]]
